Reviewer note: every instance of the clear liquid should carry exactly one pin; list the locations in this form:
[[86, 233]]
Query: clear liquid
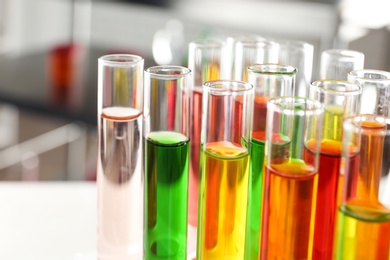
[[120, 184]]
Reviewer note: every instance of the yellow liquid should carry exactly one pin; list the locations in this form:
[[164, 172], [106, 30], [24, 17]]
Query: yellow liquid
[[363, 233], [223, 199], [333, 120]]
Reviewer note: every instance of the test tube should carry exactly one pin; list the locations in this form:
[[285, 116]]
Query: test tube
[[249, 52], [340, 99], [268, 80], [205, 60], [375, 85], [298, 54], [224, 179], [166, 161], [231, 42], [363, 220], [290, 187], [375, 98], [337, 63], [119, 165]]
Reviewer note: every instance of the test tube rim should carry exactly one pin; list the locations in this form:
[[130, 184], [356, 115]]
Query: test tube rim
[[262, 69], [359, 74], [120, 60], [354, 89], [211, 86], [183, 71], [316, 108], [343, 54]]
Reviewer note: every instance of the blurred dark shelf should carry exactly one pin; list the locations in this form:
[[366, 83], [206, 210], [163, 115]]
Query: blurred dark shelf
[[27, 82]]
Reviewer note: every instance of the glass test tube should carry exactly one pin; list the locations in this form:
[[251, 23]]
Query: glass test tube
[[166, 161], [340, 99], [249, 52], [231, 42], [290, 187], [268, 80], [363, 220], [205, 60], [298, 54], [376, 90], [224, 183], [337, 63], [119, 166], [375, 98]]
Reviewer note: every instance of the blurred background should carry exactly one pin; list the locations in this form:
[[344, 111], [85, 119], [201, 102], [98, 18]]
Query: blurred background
[[49, 51]]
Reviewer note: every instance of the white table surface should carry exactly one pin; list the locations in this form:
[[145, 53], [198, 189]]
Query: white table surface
[[47, 220], [52, 221]]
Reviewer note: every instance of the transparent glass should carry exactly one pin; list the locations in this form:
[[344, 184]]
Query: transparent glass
[[298, 54], [249, 52], [337, 63], [224, 179], [363, 218], [119, 166], [376, 90], [231, 42], [340, 99], [290, 187], [268, 80], [166, 161], [206, 61]]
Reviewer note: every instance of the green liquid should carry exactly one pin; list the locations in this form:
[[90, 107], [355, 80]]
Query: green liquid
[[252, 243], [166, 173]]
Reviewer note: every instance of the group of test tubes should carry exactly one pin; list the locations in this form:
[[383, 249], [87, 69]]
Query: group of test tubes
[[242, 155]]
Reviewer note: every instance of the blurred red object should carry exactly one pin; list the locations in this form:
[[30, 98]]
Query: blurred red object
[[64, 73]]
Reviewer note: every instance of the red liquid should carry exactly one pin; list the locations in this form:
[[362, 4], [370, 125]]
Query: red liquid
[[259, 116], [328, 172], [63, 72]]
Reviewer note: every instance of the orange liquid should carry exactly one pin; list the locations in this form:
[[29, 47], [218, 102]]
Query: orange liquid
[[289, 207], [363, 229], [362, 176]]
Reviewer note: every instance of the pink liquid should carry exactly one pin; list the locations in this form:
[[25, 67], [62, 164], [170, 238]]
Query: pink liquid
[[120, 184], [195, 130]]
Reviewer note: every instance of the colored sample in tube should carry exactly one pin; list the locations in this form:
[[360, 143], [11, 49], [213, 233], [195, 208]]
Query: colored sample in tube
[[223, 205], [166, 171], [119, 179], [363, 224], [289, 207], [328, 176], [252, 243]]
